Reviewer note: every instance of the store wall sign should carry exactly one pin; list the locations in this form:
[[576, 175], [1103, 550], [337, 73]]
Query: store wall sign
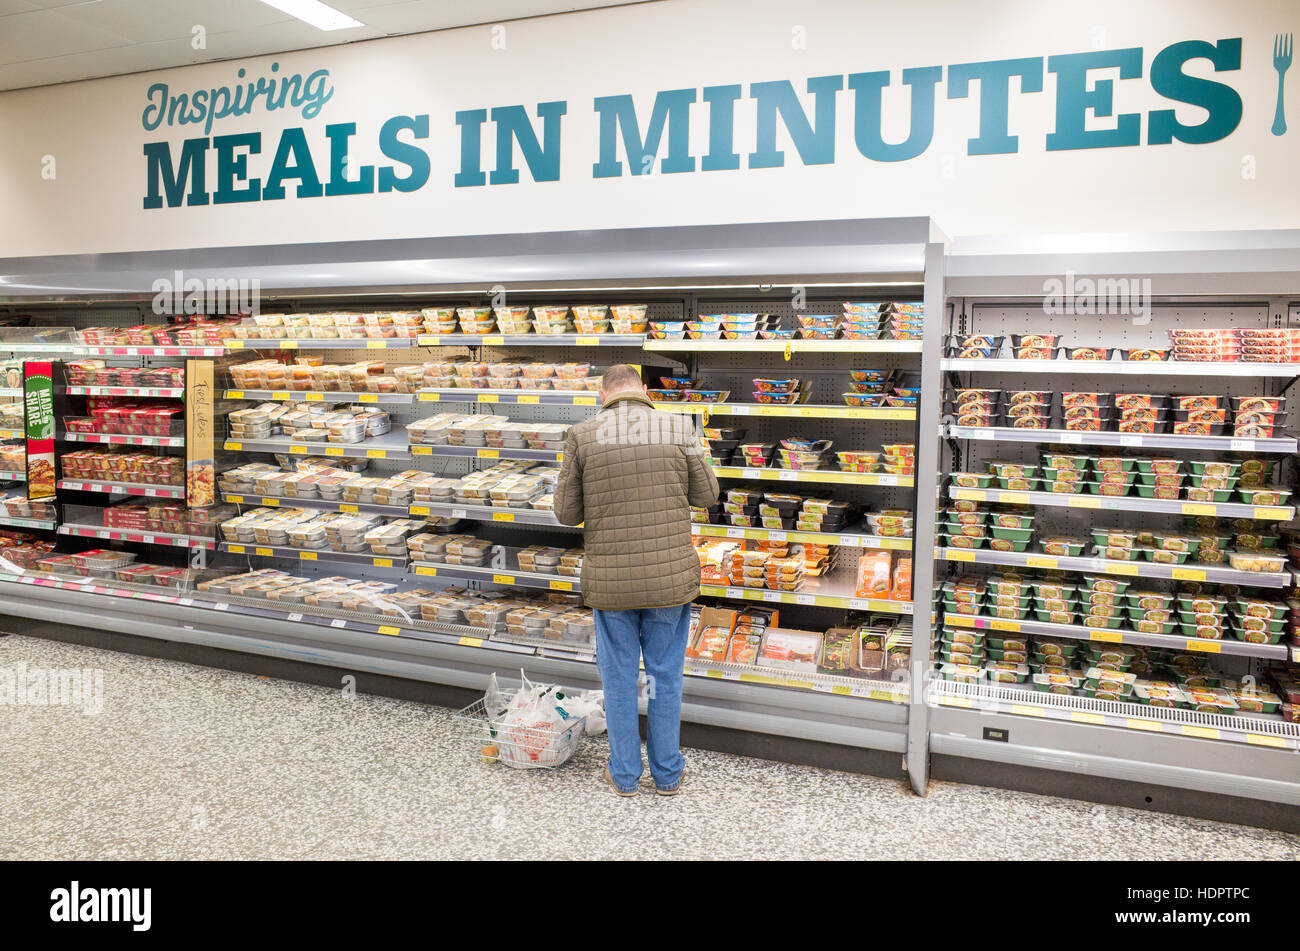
[[243, 167]]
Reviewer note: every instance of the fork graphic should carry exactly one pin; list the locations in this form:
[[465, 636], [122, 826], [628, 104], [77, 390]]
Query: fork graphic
[[1281, 62]]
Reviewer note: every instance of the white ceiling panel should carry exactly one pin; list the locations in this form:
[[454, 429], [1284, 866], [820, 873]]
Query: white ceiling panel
[[54, 41]]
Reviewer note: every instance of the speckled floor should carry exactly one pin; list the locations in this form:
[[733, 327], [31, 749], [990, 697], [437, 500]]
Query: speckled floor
[[189, 762]]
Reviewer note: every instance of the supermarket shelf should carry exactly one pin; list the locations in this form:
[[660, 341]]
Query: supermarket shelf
[[1126, 503], [12, 475], [1131, 440], [800, 412], [123, 488], [846, 539], [544, 397], [783, 346], [1138, 569], [325, 554], [97, 351], [160, 392], [808, 599], [488, 574], [326, 505], [530, 340], [1022, 700], [479, 452], [332, 343], [14, 521], [391, 445], [1080, 633], [833, 476], [887, 691], [320, 396], [140, 538], [115, 439], [487, 513], [1124, 367], [462, 660]]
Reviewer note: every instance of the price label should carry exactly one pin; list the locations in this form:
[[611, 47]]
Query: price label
[[383, 562], [1242, 445], [288, 344], [376, 453], [805, 599], [430, 572], [187, 602], [1014, 498], [749, 473], [958, 554], [586, 341], [280, 396], [530, 399], [455, 513], [489, 453], [561, 585], [887, 480], [1198, 508], [1041, 561], [738, 410], [1271, 512], [234, 446], [503, 579], [584, 401], [494, 341], [1189, 574], [348, 509], [368, 398], [388, 629], [314, 397], [1083, 502], [222, 606], [295, 617], [1204, 646], [307, 556], [999, 625], [333, 450], [375, 345], [236, 549], [488, 398], [298, 450], [427, 341], [1072, 438], [1121, 568], [234, 344], [422, 510], [736, 533], [1109, 637], [338, 622], [263, 552], [234, 394], [470, 642], [776, 536], [772, 596], [1129, 440], [503, 516], [788, 475]]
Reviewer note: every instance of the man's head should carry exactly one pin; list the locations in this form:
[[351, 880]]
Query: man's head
[[620, 380]]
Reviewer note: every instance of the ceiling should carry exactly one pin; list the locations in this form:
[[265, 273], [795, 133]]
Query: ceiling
[[56, 41]]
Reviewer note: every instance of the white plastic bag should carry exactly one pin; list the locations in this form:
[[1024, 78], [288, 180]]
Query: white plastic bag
[[589, 704]]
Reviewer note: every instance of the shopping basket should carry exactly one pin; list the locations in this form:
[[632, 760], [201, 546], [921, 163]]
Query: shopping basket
[[520, 744]]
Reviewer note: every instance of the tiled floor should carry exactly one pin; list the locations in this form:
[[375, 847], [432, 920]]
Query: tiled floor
[[191, 762]]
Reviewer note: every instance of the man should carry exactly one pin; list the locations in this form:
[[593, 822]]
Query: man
[[630, 475]]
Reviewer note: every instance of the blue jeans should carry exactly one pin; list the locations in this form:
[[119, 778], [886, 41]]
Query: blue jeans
[[623, 638]]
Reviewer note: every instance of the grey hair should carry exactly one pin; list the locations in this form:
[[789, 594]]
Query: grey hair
[[620, 376]]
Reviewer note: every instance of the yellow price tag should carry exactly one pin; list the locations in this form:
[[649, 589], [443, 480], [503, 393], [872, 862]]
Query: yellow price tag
[[237, 499], [348, 509], [280, 396], [1204, 646], [388, 629], [430, 572], [1121, 568], [489, 453], [419, 510], [494, 341], [959, 620], [503, 579], [1134, 723], [1259, 739], [368, 398], [234, 394], [237, 549], [430, 397], [1014, 498], [561, 585], [488, 398], [471, 642], [1109, 637], [314, 397], [1203, 732], [970, 495], [1013, 626], [264, 552], [271, 503], [584, 401], [958, 554], [333, 450], [840, 689], [307, 556], [526, 399], [1198, 508], [234, 344], [789, 349], [376, 453], [1083, 502], [288, 344], [586, 341], [299, 450], [1189, 574], [1271, 512], [425, 341], [1041, 561], [375, 345], [234, 446], [1078, 716], [503, 516], [383, 562]]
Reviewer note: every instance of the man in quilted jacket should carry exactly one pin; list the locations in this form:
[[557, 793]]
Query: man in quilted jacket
[[630, 475]]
